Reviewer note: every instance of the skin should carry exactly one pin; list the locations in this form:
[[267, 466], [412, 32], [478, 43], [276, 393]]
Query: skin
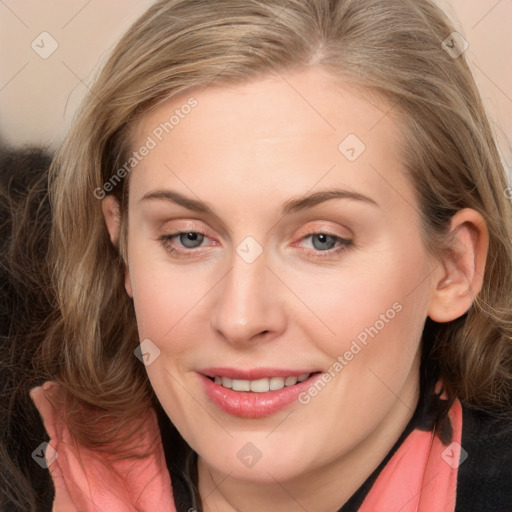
[[245, 151]]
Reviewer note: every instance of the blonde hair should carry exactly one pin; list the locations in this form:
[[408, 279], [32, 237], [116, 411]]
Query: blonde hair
[[391, 49]]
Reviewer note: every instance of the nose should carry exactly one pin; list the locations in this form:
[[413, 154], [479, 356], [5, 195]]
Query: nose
[[248, 304]]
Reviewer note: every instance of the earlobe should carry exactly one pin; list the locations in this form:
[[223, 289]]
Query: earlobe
[[460, 275], [127, 282], [112, 215]]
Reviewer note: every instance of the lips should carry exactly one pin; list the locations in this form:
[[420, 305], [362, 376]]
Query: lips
[[255, 393]]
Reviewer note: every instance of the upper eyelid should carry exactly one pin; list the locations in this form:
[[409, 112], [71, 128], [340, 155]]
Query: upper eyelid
[[328, 231], [310, 230], [320, 228], [323, 229]]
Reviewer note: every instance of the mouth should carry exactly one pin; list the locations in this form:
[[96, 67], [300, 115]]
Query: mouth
[[255, 393]]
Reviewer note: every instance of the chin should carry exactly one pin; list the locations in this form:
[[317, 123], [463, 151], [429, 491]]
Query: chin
[[258, 462]]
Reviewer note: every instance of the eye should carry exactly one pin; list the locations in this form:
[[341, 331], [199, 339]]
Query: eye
[[182, 243], [326, 244]]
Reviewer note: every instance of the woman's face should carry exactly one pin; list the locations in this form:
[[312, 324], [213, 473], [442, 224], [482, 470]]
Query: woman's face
[[301, 256]]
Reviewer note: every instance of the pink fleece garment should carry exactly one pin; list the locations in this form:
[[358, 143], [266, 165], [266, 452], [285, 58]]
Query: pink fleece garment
[[422, 474], [87, 481], [420, 477]]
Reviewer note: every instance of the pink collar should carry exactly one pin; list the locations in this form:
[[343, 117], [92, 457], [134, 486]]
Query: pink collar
[[88, 481], [420, 477]]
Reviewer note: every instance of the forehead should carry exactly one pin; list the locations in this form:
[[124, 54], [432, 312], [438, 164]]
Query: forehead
[[284, 133]]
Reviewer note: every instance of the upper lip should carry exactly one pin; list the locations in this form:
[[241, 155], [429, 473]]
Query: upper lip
[[254, 373]]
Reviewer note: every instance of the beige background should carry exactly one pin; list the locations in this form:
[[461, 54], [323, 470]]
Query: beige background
[[38, 97]]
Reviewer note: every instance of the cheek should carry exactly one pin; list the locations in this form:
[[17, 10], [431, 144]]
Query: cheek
[[376, 311], [381, 296], [166, 297]]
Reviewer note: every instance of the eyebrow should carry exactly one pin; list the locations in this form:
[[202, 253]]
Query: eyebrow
[[308, 201], [175, 197], [290, 206]]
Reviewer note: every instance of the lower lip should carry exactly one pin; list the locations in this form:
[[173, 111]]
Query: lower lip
[[254, 405]]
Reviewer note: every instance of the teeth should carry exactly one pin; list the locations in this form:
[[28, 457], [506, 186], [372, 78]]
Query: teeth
[[290, 381], [276, 383], [260, 385], [227, 382], [241, 385]]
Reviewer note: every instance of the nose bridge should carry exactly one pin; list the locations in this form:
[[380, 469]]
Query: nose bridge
[[248, 302]]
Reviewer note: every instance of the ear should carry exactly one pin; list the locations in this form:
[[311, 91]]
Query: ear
[[461, 273], [112, 215]]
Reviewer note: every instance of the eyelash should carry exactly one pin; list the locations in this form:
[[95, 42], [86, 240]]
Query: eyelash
[[345, 244]]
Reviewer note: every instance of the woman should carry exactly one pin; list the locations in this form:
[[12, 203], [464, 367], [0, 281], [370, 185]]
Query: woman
[[280, 252]]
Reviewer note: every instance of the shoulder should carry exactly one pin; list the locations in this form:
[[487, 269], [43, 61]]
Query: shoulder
[[485, 476]]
